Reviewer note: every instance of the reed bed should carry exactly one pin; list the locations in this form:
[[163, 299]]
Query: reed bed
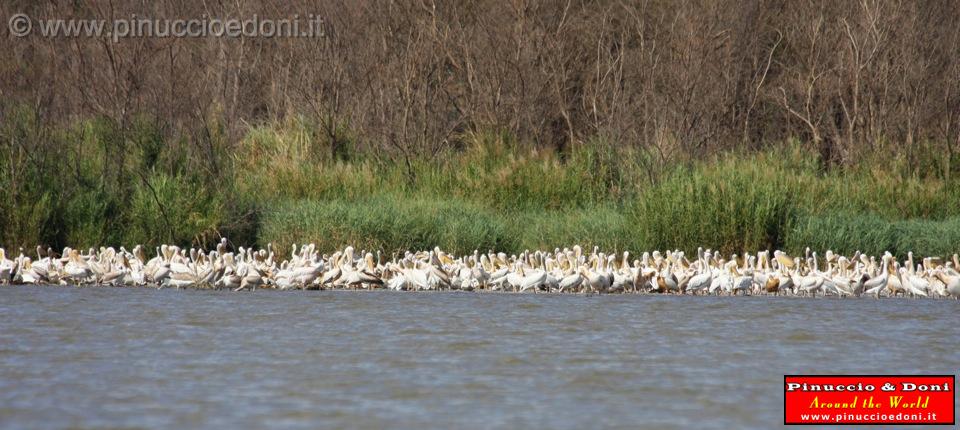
[[282, 183]]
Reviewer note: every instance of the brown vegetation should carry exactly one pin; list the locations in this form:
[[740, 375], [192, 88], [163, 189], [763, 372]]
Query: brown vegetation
[[408, 78]]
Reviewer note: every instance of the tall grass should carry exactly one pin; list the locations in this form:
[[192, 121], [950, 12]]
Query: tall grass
[[847, 233], [397, 223], [732, 203], [91, 184], [388, 223], [490, 169], [284, 183]]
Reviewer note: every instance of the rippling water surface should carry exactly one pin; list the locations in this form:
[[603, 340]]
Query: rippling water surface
[[142, 358]]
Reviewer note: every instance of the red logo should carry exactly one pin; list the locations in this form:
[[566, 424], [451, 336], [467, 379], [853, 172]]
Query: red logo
[[869, 399]]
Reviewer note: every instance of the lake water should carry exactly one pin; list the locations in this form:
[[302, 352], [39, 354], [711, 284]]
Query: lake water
[[141, 358]]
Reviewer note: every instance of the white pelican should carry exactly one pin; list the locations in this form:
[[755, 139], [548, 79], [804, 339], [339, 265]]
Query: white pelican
[[7, 268], [951, 283]]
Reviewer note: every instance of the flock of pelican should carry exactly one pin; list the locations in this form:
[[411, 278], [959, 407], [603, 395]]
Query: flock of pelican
[[567, 270]]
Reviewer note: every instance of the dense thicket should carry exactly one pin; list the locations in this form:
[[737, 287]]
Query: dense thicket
[[606, 104]]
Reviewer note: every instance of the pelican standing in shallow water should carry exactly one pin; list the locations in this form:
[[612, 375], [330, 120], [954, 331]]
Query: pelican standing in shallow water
[[7, 268]]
